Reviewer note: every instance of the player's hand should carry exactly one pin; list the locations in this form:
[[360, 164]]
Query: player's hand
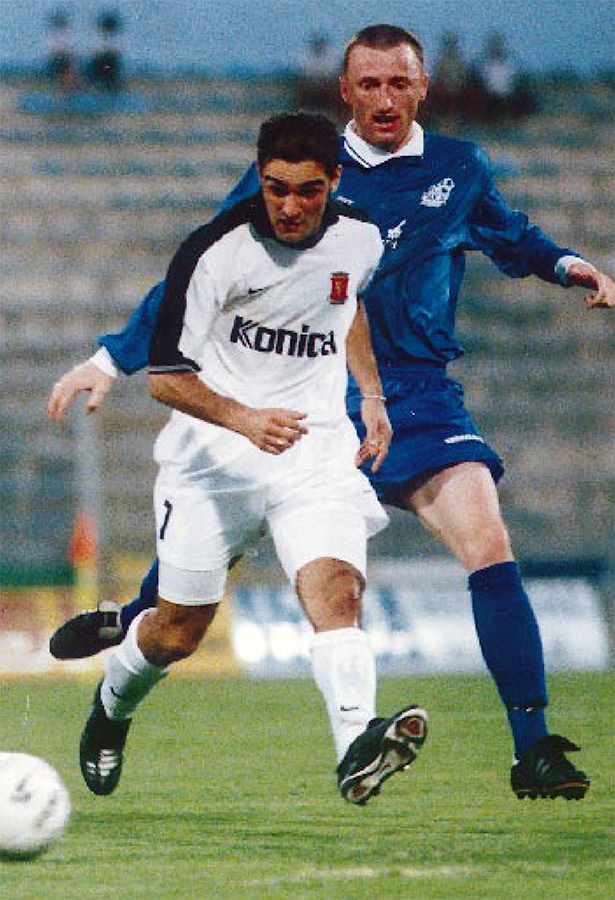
[[86, 377], [274, 430], [602, 285], [378, 436]]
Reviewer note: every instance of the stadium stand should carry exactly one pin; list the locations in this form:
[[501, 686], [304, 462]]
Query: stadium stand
[[95, 204]]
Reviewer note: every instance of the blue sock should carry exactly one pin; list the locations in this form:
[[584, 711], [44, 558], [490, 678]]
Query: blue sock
[[148, 594], [510, 642]]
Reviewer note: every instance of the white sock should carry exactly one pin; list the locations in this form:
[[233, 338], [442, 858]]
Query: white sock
[[130, 677], [345, 671]]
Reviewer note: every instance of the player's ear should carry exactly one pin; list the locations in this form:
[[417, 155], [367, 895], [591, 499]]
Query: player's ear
[[343, 82], [335, 181], [424, 85]]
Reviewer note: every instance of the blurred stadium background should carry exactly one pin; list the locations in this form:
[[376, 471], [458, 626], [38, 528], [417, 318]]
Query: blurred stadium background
[[98, 191]]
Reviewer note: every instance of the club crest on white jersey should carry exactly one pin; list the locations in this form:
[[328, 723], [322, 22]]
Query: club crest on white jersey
[[339, 287]]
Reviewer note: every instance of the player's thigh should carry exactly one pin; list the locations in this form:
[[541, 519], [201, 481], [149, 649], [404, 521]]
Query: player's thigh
[[460, 506], [324, 508], [202, 531], [314, 533]]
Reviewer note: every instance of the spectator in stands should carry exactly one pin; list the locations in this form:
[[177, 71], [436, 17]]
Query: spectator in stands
[[62, 66], [316, 86], [105, 68], [499, 90], [448, 87]]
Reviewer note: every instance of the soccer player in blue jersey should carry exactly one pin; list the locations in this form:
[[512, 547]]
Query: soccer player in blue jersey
[[433, 199]]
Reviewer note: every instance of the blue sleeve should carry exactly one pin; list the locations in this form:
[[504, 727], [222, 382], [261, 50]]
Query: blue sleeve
[[129, 347], [507, 237], [248, 185]]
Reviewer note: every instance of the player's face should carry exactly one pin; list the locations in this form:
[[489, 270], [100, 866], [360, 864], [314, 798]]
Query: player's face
[[384, 89], [295, 195]]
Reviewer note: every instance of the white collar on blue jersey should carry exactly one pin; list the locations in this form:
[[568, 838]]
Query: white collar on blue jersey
[[369, 156]]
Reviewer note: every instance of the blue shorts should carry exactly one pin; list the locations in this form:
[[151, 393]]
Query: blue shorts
[[432, 430]]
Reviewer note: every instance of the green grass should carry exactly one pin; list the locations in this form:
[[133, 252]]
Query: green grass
[[228, 792]]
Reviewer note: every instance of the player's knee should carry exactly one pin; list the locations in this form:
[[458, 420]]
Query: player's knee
[[487, 546], [178, 638], [180, 643], [345, 590], [330, 591]]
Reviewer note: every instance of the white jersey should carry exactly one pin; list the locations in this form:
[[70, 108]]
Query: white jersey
[[263, 323]]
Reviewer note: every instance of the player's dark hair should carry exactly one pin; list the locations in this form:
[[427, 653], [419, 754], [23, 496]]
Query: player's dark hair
[[383, 37], [295, 137]]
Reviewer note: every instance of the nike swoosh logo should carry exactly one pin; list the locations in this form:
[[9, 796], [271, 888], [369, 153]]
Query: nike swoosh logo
[[342, 708], [115, 694], [252, 292]]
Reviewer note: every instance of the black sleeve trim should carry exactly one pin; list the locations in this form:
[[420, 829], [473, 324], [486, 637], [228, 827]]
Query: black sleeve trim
[[349, 211], [164, 353], [189, 366]]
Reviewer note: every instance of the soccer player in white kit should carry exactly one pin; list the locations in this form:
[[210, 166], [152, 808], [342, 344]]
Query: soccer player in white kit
[[259, 319]]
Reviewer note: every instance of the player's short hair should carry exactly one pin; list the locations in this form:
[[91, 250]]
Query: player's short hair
[[295, 137], [383, 37]]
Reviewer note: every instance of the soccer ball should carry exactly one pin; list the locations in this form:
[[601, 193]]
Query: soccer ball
[[34, 806]]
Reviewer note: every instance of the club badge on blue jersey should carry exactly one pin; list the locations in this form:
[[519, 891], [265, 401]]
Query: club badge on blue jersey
[[438, 194], [339, 287]]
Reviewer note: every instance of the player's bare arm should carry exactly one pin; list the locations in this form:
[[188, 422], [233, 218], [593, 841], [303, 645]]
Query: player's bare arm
[[362, 364], [83, 378], [271, 430], [602, 285]]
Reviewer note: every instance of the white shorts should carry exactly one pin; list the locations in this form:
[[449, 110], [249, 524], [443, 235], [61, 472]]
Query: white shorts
[[310, 515]]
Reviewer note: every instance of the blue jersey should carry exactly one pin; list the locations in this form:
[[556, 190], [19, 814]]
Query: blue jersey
[[430, 209]]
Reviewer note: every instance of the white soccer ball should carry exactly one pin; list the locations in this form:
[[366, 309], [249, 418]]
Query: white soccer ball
[[34, 806]]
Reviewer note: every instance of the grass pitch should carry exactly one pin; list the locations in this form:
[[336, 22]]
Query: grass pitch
[[228, 792]]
